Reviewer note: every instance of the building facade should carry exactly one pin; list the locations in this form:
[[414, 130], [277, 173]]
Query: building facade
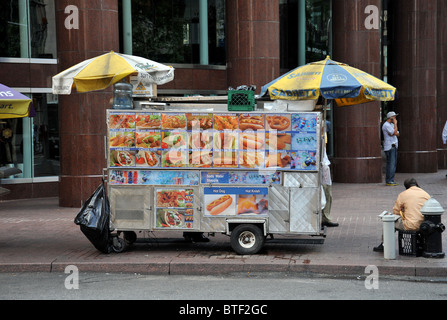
[[215, 44]]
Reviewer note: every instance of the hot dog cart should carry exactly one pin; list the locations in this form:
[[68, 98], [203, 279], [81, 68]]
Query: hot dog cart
[[248, 175]]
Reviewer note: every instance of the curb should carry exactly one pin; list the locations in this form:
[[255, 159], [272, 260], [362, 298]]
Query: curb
[[225, 267]]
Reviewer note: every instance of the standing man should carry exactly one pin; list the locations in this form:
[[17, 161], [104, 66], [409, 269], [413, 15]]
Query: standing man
[[390, 146]]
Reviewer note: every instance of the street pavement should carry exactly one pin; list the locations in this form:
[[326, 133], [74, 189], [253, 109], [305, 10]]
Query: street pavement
[[36, 235]]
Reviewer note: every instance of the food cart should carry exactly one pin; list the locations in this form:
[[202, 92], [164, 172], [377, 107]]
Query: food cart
[[246, 174]]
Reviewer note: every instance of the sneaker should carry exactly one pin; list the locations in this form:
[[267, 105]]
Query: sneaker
[[379, 248], [392, 183]]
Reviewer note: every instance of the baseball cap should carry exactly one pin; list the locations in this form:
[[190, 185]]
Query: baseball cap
[[391, 114]]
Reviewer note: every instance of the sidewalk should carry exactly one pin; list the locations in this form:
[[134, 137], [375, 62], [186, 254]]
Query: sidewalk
[[38, 235]]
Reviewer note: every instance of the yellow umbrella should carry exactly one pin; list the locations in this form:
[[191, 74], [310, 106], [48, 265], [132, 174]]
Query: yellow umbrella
[[13, 104], [103, 71], [332, 80]]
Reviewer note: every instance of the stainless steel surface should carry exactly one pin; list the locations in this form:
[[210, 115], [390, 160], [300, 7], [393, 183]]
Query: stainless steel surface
[[294, 207], [131, 207], [304, 210]]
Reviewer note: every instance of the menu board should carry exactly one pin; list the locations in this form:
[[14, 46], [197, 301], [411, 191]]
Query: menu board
[[155, 140], [174, 208], [229, 201]]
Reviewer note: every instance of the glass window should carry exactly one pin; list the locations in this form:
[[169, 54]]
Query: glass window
[[216, 32], [45, 136], [28, 28], [32, 144], [318, 29], [168, 31], [318, 42], [318, 32]]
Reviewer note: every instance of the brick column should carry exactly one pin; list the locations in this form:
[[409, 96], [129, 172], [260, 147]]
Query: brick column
[[252, 42], [357, 149], [82, 115], [413, 72]]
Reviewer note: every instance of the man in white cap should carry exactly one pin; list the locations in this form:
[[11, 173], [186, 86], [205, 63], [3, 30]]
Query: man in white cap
[[390, 146]]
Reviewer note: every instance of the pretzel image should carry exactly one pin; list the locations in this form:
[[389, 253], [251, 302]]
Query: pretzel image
[[278, 122]]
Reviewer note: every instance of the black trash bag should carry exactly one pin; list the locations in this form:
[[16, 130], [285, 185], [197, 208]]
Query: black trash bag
[[94, 218], [95, 210], [101, 240]]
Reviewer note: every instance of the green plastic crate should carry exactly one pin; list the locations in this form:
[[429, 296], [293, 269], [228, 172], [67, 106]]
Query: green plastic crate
[[241, 100]]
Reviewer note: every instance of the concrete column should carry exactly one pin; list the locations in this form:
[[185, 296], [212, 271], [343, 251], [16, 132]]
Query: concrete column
[[413, 72], [83, 115], [441, 81], [252, 42], [357, 148]]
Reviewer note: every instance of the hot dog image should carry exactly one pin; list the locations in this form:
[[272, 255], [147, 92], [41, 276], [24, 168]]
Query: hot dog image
[[251, 159], [251, 141], [252, 122], [219, 205]]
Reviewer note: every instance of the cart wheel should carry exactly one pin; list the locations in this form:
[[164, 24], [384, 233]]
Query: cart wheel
[[129, 236], [118, 245], [247, 239]]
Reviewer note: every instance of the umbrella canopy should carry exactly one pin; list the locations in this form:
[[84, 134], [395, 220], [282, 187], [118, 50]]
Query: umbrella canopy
[[13, 104], [103, 71], [331, 80]]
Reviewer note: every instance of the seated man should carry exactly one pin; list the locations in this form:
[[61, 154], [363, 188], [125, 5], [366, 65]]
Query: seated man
[[408, 207]]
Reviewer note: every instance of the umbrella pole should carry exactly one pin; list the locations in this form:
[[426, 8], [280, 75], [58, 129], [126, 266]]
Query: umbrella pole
[[324, 120]]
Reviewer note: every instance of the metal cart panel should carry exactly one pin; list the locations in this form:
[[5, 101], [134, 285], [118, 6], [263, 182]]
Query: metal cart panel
[[304, 210], [279, 220], [131, 207]]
